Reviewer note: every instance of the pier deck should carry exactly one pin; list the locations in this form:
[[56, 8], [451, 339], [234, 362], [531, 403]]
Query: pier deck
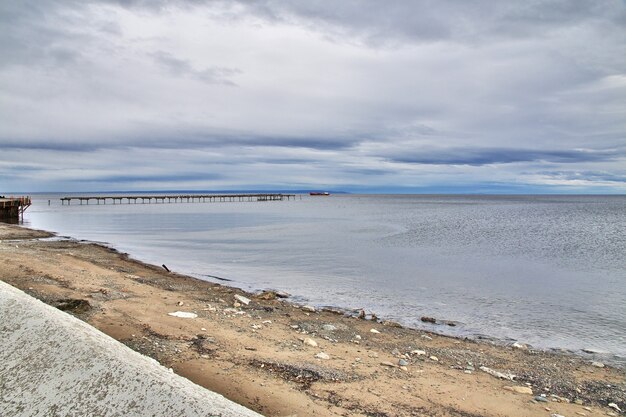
[[12, 208], [188, 198]]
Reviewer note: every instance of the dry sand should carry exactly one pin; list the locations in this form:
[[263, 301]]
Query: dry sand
[[260, 355]]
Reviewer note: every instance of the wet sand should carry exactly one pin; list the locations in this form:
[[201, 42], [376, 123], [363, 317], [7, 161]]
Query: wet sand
[[267, 354]]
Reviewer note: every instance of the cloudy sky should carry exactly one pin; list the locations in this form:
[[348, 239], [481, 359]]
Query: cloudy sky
[[363, 96]]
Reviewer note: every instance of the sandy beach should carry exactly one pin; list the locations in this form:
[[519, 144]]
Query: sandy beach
[[281, 359]]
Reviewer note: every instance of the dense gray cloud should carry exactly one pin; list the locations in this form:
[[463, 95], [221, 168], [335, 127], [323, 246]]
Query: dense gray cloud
[[480, 156], [358, 95]]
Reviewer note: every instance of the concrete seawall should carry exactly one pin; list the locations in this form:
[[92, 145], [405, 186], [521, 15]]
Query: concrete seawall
[[53, 364]]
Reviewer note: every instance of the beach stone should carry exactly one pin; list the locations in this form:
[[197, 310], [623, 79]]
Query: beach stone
[[597, 364], [391, 324], [387, 363], [540, 399], [395, 352], [578, 401], [426, 319], [308, 308], [309, 342], [322, 355], [425, 336], [520, 390], [374, 331], [556, 415], [267, 295], [615, 407], [183, 315], [518, 345], [242, 299], [418, 352], [434, 358], [403, 362], [329, 327], [497, 374]]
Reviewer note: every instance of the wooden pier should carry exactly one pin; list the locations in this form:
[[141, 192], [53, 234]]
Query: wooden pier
[[190, 198], [12, 208]]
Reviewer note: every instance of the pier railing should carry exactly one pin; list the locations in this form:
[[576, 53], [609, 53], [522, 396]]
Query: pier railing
[[189, 198]]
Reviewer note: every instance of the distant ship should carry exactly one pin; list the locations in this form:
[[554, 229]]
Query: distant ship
[[319, 193]]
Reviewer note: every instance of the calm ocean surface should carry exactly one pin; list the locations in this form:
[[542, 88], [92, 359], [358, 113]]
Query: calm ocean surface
[[545, 270]]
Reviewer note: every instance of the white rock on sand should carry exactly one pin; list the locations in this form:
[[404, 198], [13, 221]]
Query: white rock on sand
[[242, 299], [183, 315]]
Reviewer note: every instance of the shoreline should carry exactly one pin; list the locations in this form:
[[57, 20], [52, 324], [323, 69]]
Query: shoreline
[[608, 358], [266, 354]]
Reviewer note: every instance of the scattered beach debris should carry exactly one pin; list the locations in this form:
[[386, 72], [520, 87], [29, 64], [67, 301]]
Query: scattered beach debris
[[303, 374], [329, 327], [418, 352], [183, 314], [497, 374], [597, 364], [391, 324], [309, 342], [434, 358], [426, 319], [519, 390], [202, 344], [403, 362], [308, 308], [266, 295], [242, 299], [615, 407], [541, 399], [73, 305], [322, 355], [271, 295], [374, 331], [387, 363], [166, 268], [334, 310], [518, 345]]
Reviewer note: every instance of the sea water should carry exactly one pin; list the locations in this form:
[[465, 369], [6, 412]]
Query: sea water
[[549, 271]]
